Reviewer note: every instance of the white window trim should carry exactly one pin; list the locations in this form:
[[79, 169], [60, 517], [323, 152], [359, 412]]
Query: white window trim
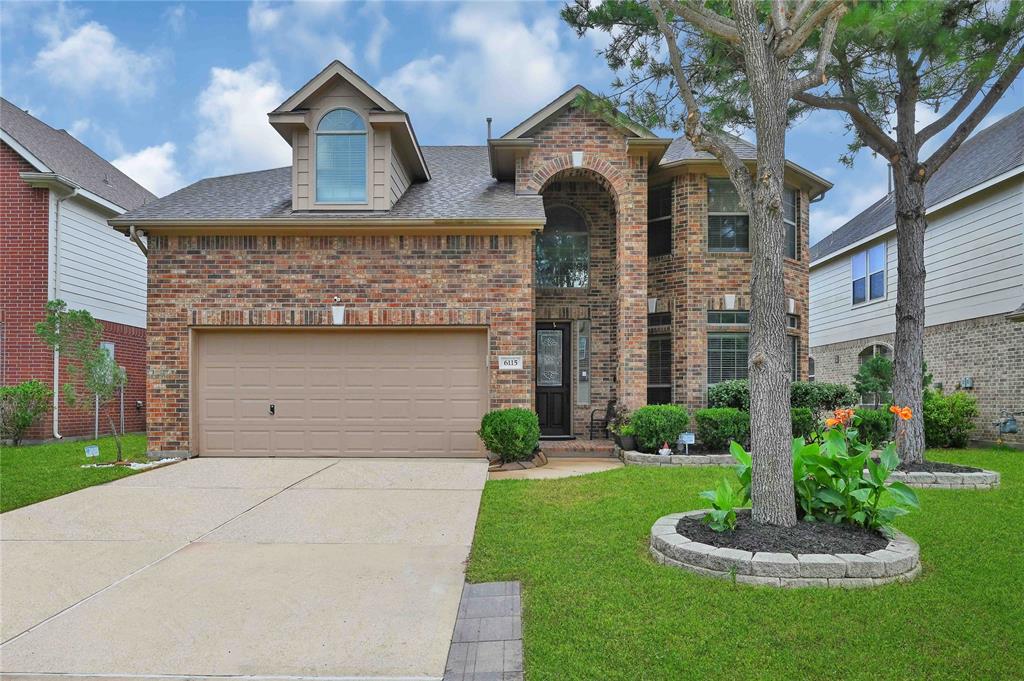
[[314, 161], [795, 222], [707, 226], [863, 253]]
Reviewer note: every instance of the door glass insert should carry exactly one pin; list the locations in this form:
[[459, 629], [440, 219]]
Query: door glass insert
[[549, 358]]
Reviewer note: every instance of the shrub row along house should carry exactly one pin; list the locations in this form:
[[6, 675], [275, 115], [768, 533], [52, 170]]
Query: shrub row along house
[[56, 244], [974, 290], [378, 296]]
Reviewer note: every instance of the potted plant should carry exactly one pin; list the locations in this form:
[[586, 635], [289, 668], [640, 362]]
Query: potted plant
[[627, 437]]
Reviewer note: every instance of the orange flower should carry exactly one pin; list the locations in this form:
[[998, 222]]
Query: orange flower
[[829, 423], [906, 414], [894, 409]]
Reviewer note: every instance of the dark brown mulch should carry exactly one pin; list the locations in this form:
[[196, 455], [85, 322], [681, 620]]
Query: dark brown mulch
[[936, 467], [803, 538]]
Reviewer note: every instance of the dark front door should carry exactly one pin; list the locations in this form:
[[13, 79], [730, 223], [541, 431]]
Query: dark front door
[[554, 370]]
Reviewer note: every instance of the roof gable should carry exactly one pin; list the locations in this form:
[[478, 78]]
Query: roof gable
[[332, 71], [555, 108]]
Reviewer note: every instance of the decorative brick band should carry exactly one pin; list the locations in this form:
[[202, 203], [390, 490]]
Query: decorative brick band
[[899, 561], [983, 479], [640, 459], [354, 316]]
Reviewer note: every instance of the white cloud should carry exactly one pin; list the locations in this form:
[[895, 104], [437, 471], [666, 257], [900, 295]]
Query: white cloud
[[90, 58], [500, 65], [153, 167], [234, 135], [79, 127], [373, 15], [867, 182], [176, 16], [301, 30]]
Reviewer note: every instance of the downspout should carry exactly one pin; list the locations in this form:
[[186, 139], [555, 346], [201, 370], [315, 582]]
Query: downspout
[[53, 296], [134, 235]]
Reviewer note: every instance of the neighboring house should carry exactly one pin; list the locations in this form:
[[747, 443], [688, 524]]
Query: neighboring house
[[55, 243], [570, 262], [974, 256]]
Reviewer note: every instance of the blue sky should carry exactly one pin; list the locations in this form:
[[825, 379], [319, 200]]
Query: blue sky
[[173, 92]]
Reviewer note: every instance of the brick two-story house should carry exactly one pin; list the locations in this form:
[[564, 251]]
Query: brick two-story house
[[56, 195], [377, 296]]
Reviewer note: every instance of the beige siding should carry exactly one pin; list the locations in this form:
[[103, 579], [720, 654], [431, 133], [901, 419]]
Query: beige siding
[[303, 196], [399, 180], [379, 178], [974, 256]]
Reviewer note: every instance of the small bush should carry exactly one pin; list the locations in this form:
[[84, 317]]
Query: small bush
[[718, 426], [804, 423], [832, 396], [874, 426], [733, 394], [512, 434], [948, 419], [657, 423], [20, 408]]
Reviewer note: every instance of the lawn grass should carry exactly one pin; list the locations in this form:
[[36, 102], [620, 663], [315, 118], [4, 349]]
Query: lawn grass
[[597, 607], [32, 473]]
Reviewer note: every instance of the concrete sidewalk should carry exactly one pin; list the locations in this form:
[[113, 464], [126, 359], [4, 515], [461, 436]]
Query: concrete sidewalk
[[305, 568]]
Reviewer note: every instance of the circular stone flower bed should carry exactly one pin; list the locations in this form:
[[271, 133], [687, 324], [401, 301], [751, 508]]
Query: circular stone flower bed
[[937, 474], [640, 459], [812, 554]]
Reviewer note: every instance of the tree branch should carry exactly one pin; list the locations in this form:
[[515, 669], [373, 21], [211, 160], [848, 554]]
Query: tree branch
[[801, 11], [968, 125], [869, 131], [703, 18], [799, 36], [701, 138], [828, 35]]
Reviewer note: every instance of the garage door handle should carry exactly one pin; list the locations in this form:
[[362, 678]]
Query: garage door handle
[[272, 408]]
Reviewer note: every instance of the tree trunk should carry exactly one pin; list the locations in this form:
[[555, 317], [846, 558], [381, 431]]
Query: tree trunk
[[117, 440], [908, 355], [772, 498]]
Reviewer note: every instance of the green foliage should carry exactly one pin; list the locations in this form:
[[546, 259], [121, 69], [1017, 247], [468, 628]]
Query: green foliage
[[512, 434], [832, 396], [734, 394], [718, 426], [627, 430], [948, 419], [724, 500], [874, 426], [805, 425], [658, 423], [874, 378], [20, 407], [817, 397]]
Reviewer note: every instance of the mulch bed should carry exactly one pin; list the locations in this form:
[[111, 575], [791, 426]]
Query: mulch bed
[[803, 538], [936, 467]]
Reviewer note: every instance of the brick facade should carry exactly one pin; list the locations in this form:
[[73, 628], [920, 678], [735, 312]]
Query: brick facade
[[24, 291], [267, 281], [989, 350]]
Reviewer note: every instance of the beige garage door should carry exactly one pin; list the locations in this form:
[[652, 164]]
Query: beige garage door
[[340, 393]]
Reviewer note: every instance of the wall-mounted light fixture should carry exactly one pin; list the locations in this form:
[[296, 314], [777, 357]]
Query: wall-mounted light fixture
[[967, 383], [337, 312]]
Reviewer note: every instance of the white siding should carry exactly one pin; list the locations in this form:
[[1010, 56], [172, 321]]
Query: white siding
[[974, 256], [98, 269]]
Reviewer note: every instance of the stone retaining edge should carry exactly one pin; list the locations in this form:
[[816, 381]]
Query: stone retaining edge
[[984, 479], [631, 458], [899, 561]]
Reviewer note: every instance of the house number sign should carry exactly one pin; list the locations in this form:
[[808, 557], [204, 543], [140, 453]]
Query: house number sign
[[510, 362]]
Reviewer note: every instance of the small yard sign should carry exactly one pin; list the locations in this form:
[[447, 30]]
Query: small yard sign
[[510, 362], [92, 450], [686, 438]]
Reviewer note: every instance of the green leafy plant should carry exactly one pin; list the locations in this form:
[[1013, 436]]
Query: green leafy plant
[[874, 426], [873, 380], [627, 430], [658, 423], [733, 394], [948, 419], [724, 500], [512, 434], [805, 425], [817, 397], [717, 427], [76, 335], [21, 406]]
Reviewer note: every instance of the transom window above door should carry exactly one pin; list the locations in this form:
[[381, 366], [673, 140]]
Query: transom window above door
[[563, 250], [868, 274], [341, 140]]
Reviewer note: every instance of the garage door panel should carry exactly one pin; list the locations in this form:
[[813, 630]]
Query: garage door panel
[[344, 393]]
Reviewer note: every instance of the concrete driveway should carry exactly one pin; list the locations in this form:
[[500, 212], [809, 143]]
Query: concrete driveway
[[301, 568]]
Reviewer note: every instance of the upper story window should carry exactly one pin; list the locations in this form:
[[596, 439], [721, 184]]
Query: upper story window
[[659, 221], [728, 222], [789, 213], [868, 274], [341, 158], [563, 250]]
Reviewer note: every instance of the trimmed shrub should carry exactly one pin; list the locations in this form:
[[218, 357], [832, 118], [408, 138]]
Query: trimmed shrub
[[875, 426], [718, 426], [734, 394], [657, 423], [948, 419], [512, 434], [804, 423], [20, 407], [832, 396]]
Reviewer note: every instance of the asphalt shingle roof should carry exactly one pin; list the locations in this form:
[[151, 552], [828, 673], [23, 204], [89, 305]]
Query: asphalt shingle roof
[[995, 150], [461, 186], [66, 156], [682, 150]]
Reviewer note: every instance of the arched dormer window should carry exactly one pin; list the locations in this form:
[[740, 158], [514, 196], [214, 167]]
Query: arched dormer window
[[341, 158], [563, 250]]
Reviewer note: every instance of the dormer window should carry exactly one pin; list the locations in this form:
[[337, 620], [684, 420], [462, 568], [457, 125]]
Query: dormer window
[[341, 158]]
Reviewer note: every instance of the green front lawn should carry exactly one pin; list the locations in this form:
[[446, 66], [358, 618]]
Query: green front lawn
[[597, 607], [32, 473]]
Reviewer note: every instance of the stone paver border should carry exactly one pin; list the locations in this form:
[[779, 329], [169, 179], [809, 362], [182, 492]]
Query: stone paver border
[[487, 644], [631, 458], [897, 562], [984, 479]]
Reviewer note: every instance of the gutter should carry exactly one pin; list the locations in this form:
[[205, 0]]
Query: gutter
[[54, 292], [133, 234]]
